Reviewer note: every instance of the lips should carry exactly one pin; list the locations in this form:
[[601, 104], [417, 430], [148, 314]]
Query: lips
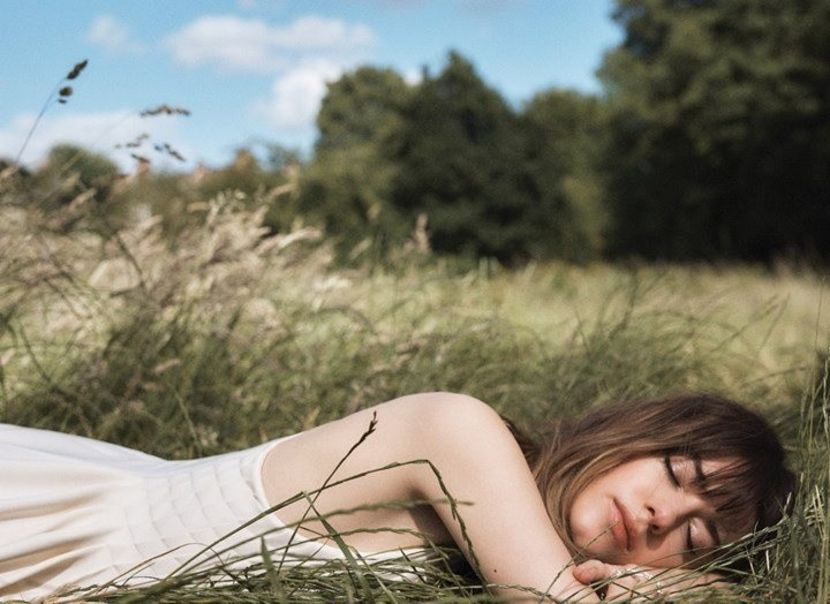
[[623, 526]]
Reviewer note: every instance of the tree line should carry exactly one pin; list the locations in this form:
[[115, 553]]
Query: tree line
[[710, 140], [488, 180]]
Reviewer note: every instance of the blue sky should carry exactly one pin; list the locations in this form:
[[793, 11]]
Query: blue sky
[[255, 70]]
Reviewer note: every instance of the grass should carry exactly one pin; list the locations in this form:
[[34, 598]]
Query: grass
[[229, 339]]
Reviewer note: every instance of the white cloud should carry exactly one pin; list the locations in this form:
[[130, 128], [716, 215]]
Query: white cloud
[[236, 43], [296, 95], [99, 132], [304, 54], [310, 33], [108, 32], [413, 76]]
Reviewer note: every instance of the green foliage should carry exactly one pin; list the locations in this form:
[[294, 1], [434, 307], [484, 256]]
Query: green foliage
[[91, 169], [348, 186], [136, 389], [74, 174], [16, 183], [269, 187], [461, 162], [721, 128], [167, 196], [450, 151], [566, 138], [363, 106], [243, 174], [180, 200], [347, 191]]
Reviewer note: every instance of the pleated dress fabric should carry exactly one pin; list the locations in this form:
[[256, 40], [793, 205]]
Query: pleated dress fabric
[[80, 512]]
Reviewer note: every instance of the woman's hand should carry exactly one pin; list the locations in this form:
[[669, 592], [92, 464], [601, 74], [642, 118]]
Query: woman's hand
[[613, 581], [640, 583]]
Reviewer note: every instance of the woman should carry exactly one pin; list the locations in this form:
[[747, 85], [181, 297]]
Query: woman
[[658, 484]]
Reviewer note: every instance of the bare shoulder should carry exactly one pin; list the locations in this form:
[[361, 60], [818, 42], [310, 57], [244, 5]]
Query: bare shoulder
[[486, 499], [411, 437], [406, 428], [417, 433]]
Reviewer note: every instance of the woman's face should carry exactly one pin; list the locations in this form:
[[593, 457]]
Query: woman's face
[[647, 511]]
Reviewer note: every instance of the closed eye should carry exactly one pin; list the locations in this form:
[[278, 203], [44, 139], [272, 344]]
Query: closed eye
[[676, 482], [670, 471]]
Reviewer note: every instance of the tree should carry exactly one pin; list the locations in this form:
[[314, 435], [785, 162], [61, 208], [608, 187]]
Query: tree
[[363, 106], [85, 168], [565, 134], [348, 185], [720, 128], [75, 174], [461, 162]]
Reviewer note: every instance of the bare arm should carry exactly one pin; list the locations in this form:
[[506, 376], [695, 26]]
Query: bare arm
[[513, 540]]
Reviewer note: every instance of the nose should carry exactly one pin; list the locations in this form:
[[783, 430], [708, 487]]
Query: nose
[[670, 512], [659, 520]]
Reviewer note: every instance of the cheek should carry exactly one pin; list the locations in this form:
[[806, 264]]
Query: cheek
[[586, 518]]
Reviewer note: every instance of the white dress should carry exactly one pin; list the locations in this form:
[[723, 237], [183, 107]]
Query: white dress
[[79, 512]]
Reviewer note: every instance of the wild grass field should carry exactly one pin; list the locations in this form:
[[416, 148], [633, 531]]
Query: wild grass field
[[233, 338]]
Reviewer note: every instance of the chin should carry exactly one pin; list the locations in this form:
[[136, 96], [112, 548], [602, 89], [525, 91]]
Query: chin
[[595, 546], [609, 555], [612, 557], [601, 546]]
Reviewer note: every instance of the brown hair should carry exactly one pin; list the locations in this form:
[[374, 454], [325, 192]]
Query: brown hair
[[704, 426]]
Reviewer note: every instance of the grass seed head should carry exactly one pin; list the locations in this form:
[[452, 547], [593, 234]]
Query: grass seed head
[[164, 109], [76, 70]]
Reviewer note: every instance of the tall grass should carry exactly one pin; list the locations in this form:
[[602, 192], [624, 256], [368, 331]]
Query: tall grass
[[231, 338]]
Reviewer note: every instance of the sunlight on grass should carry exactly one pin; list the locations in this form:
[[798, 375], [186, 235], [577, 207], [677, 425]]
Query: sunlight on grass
[[232, 338]]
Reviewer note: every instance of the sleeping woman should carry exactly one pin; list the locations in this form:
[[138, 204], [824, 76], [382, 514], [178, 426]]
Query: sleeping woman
[[632, 497]]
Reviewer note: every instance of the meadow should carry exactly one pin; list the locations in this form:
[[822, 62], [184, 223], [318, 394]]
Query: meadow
[[231, 338]]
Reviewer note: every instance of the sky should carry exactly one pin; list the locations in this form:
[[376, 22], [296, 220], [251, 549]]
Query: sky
[[253, 72]]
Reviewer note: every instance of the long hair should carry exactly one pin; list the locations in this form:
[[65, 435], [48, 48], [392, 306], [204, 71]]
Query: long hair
[[756, 484]]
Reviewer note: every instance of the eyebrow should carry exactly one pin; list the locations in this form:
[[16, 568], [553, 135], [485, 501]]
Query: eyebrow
[[701, 480]]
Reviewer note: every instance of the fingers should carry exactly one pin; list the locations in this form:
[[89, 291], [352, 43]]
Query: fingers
[[592, 571], [634, 586], [598, 575], [616, 582]]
